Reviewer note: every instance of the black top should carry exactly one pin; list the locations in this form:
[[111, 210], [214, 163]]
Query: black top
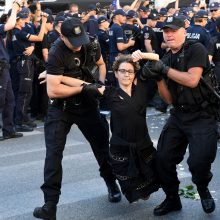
[[195, 55], [214, 49], [128, 114]]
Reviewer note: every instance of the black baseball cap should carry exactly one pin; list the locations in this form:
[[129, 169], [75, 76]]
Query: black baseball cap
[[214, 6], [102, 19], [131, 14], [153, 16], [119, 12], [174, 23], [72, 28], [201, 14]]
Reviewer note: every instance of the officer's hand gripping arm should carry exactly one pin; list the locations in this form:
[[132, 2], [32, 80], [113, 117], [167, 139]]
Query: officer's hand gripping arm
[[147, 73]]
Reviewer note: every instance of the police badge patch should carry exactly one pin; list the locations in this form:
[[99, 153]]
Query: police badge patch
[[77, 30]]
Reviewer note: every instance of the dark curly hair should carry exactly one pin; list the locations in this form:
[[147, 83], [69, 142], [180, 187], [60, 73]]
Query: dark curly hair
[[122, 58]]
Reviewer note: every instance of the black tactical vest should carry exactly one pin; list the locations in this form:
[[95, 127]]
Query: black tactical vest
[[196, 98]]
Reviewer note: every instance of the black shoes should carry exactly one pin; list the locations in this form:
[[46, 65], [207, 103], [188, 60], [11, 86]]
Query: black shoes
[[170, 204], [208, 203], [23, 128], [114, 194], [46, 212], [9, 136]]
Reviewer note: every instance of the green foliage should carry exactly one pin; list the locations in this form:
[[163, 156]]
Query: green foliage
[[188, 192]]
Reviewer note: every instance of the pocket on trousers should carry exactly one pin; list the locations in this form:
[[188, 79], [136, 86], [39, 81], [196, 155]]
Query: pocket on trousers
[[26, 85]]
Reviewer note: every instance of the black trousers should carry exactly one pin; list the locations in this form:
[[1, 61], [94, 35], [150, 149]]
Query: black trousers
[[196, 130], [57, 126]]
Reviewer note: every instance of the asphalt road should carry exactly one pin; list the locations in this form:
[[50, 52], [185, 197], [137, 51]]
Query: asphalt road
[[84, 194]]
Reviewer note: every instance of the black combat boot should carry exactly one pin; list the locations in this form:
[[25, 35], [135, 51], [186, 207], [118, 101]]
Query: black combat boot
[[114, 194], [46, 212], [170, 204], [208, 203]]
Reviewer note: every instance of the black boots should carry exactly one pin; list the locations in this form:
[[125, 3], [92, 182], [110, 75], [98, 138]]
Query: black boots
[[170, 204], [208, 203], [46, 212], [114, 194]]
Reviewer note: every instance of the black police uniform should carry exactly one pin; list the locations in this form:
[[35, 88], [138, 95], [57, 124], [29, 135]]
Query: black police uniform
[[191, 123], [103, 39], [211, 27], [133, 31], [79, 110], [7, 101], [214, 51], [116, 35], [23, 74], [39, 100], [91, 26], [198, 33], [149, 34]]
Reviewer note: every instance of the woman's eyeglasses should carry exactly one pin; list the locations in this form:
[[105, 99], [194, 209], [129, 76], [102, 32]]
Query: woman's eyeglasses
[[123, 71]]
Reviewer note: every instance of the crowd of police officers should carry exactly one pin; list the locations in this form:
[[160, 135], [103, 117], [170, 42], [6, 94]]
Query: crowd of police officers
[[137, 27], [26, 38]]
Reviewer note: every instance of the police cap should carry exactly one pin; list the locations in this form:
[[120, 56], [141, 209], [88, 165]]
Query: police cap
[[72, 28]]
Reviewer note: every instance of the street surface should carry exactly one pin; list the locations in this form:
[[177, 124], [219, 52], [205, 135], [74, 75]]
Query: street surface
[[84, 194]]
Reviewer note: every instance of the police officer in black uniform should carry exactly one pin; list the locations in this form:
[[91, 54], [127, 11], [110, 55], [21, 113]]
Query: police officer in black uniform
[[118, 42], [214, 56], [6, 93], [197, 32], [72, 56], [103, 37], [55, 33], [192, 121], [132, 29], [214, 8], [21, 40]]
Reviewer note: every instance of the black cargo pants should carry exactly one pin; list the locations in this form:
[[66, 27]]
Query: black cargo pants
[[57, 126], [198, 131]]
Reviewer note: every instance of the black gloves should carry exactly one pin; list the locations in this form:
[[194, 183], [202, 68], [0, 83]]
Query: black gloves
[[91, 90], [154, 70]]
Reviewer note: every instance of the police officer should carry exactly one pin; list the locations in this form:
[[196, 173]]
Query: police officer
[[72, 56], [132, 29], [21, 40], [91, 25], [191, 123], [39, 100], [55, 33], [6, 92], [150, 42], [214, 56], [197, 32], [118, 41], [103, 37], [214, 8]]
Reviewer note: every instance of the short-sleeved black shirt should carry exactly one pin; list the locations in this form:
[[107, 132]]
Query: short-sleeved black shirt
[[60, 58]]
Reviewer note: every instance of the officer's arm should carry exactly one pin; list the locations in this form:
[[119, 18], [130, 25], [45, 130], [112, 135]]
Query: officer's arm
[[164, 92], [40, 36], [148, 46], [124, 46], [102, 69], [45, 54], [56, 89], [12, 19], [189, 79]]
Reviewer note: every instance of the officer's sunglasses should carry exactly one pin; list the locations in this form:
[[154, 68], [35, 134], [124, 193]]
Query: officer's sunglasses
[[213, 10]]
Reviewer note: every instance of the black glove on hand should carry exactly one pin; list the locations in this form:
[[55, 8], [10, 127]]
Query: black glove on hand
[[159, 67], [91, 90], [147, 73]]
